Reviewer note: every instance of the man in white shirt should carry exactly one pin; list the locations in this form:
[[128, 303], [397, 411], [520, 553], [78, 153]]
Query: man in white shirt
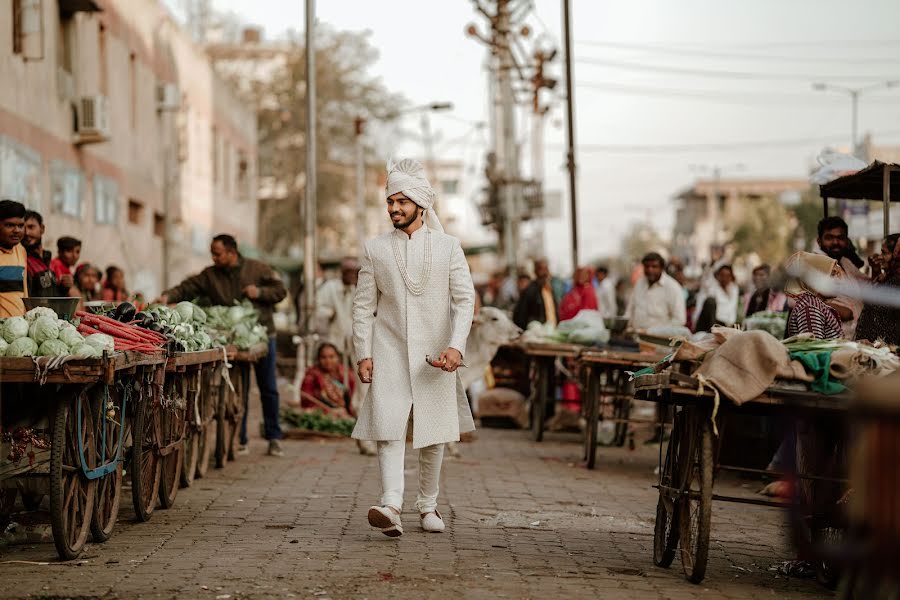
[[606, 293], [718, 299], [657, 300], [334, 306]]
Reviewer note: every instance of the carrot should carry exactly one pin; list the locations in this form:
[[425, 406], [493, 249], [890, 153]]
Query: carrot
[[112, 327]]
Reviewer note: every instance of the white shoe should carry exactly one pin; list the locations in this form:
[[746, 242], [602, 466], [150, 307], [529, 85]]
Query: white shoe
[[243, 450], [385, 519], [432, 522]]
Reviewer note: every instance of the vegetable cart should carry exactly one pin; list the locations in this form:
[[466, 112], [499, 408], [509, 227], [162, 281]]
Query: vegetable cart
[[186, 421], [543, 370], [607, 395], [689, 465], [233, 399], [63, 433]]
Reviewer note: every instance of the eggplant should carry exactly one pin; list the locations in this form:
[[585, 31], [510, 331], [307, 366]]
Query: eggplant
[[155, 327], [154, 317], [125, 312], [143, 319]]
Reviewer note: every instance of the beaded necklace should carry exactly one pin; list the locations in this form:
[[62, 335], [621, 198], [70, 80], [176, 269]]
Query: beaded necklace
[[416, 289]]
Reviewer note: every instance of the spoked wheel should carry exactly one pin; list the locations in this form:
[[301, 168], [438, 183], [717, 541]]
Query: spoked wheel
[[108, 416], [666, 530], [172, 441], [146, 467], [192, 432], [592, 406], [621, 409], [539, 401], [71, 493], [241, 381], [206, 441], [696, 506], [210, 382], [224, 423]]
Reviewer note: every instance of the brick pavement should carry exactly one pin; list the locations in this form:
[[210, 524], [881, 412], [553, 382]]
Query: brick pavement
[[295, 528]]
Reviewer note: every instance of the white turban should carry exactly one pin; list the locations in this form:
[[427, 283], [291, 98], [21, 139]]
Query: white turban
[[408, 177]]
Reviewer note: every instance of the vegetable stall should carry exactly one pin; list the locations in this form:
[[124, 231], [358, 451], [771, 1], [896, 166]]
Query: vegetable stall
[[89, 399]]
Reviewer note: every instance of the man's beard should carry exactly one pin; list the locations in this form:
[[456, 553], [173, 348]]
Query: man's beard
[[408, 222], [31, 246]]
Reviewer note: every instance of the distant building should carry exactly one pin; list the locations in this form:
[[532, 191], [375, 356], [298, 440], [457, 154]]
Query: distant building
[[707, 209], [110, 119]]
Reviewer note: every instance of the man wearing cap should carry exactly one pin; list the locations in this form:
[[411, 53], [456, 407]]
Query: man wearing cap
[[13, 259], [414, 299]]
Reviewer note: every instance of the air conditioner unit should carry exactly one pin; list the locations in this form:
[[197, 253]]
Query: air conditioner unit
[[91, 119], [168, 97]]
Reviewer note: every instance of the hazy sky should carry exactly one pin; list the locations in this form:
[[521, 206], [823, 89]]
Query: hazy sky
[[662, 88]]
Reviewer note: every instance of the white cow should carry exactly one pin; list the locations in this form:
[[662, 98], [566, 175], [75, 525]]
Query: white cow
[[491, 329]]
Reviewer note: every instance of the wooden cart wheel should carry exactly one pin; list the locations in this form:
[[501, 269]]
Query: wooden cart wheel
[[206, 441], [146, 468], [71, 493], [666, 529], [240, 404], [621, 409], [696, 506], [109, 487], [191, 455], [225, 420], [173, 428], [592, 400], [539, 403]]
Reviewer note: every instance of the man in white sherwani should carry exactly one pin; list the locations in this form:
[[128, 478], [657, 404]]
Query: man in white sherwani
[[414, 299]]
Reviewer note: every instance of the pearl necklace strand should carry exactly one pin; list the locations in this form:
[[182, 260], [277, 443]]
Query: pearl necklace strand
[[416, 289]]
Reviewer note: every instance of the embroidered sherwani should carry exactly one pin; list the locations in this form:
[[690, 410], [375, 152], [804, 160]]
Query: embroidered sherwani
[[398, 328]]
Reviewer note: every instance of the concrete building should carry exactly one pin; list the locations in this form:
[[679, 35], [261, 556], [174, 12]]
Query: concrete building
[[707, 210], [111, 119]]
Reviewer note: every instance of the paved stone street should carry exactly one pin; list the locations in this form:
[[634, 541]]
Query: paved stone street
[[525, 521]]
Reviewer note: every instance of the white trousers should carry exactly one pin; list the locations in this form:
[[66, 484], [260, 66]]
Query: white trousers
[[391, 459]]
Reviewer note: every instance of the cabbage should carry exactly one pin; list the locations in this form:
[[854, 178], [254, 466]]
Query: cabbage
[[85, 350], [186, 311], [3, 346], [44, 328], [53, 348], [70, 337], [63, 324], [184, 331], [41, 311], [199, 315], [23, 346], [236, 314], [101, 342], [15, 328]]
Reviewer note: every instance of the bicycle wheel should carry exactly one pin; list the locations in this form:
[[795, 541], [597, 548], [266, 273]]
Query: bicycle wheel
[[109, 487], [666, 531], [71, 493], [696, 506]]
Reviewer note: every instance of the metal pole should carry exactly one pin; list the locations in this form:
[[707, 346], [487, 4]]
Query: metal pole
[[887, 200], [167, 208], [570, 131], [510, 171], [854, 97], [309, 242], [360, 188], [428, 143]]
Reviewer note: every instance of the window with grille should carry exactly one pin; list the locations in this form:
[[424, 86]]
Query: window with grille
[[67, 189], [20, 173]]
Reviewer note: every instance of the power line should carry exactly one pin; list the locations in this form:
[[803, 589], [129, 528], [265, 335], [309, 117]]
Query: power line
[[658, 48], [704, 147], [728, 97], [725, 74]]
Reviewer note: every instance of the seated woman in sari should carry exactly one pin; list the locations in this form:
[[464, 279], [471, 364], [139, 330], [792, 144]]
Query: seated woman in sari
[[328, 382]]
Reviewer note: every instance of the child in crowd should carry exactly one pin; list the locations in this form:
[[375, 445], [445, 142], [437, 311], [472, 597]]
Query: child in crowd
[[68, 251]]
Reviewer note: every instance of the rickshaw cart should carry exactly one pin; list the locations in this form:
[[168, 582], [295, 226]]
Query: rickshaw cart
[[234, 398], [63, 433], [687, 468], [189, 418], [607, 395], [543, 357]]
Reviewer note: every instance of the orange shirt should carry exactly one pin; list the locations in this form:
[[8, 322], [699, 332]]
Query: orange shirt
[[13, 281]]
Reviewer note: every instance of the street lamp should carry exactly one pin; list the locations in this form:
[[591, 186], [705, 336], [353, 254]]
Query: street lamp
[[854, 101]]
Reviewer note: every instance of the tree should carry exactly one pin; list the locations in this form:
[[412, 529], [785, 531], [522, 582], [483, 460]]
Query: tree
[[767, 230], [344, 90]]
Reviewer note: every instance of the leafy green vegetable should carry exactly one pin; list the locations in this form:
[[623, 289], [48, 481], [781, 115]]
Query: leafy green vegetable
[[101, 342], [316, 420], [15, 328], [44, 328], [41, 311], [85, 350], [23, 346], [70, 337], [53, 348], [185, 310], [3, 346]]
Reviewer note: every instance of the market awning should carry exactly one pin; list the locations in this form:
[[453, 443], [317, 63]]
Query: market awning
[[867, 184]]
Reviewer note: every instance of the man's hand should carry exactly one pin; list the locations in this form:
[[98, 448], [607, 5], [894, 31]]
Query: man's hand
[[67, 281], [252, 292], [451, 359], [365, 370]]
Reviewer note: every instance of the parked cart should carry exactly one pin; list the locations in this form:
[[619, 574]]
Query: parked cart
[[689, 464], [543, 378], [233, 400]]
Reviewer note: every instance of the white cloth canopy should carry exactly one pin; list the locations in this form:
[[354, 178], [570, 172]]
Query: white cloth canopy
[[408, 177]]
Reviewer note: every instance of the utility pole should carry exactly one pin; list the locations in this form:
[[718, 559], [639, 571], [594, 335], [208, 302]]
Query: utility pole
[[570, 129], [359, 125], [309, 240], [539, 112], [854, 94]]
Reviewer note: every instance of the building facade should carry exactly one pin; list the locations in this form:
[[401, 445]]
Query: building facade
[[115, 127]]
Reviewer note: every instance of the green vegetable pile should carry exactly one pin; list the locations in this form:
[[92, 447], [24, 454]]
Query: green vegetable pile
[[187, 323], [42, 333], [316, 420], [236, 325], [772, 322]]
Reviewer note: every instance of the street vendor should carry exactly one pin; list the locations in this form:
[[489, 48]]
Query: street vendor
[[13, 260], [42, 283], [230, 279], [834, 242], [811, 311], [657, 300], [414, 298]]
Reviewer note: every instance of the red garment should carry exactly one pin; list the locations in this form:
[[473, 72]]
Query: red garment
[[580, 297], [59, 268], [324, 387]]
